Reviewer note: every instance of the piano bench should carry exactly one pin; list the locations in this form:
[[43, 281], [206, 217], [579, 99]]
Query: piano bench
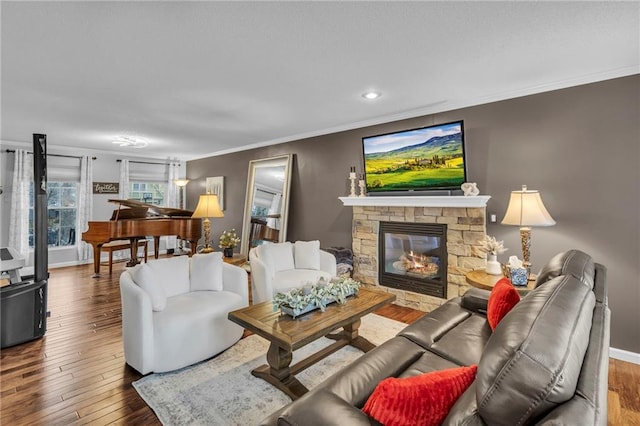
[[123, 245]]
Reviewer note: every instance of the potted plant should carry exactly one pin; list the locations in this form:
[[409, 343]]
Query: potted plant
[[492, 248], [228, 241]]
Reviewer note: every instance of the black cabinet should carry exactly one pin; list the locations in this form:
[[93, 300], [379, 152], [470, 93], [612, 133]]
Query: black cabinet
[[23, 312]]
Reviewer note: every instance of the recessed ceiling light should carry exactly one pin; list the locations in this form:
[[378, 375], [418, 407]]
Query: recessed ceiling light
[[371, 95], [130, 142]]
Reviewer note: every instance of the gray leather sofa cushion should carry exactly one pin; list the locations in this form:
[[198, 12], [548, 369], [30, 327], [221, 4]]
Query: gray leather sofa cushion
[[589, 404], [534, 357], [357, 381], [430, 328], [475, 300], [571, 262], [322, 408], [427, 363], [465, 410], [465, 343]]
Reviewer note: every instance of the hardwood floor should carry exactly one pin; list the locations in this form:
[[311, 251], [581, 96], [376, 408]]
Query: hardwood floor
[[76, 374]]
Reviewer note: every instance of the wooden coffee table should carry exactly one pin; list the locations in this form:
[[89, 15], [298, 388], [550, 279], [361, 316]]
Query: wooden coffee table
[[287, 334]]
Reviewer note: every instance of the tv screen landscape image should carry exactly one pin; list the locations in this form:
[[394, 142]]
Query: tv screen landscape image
[[427, 158]]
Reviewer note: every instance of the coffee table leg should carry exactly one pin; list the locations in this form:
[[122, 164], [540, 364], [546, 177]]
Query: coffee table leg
[[278, 372], [350, 333]]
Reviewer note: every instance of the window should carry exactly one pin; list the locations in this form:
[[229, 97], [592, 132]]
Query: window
[[148, 192], [61, 214]]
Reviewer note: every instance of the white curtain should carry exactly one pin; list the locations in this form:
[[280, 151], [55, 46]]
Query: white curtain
[[85, 206], [124, 180], [19, 216], [171, 197], [273, 222]]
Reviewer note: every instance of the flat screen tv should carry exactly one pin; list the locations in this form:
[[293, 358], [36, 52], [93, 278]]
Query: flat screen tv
[[423, 159]]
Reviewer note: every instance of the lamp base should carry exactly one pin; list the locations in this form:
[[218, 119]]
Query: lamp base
[[206, 249], [525, 239]]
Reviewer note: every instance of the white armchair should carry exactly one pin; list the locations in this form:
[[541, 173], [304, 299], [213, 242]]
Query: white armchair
[[174, 310], [281, 266]]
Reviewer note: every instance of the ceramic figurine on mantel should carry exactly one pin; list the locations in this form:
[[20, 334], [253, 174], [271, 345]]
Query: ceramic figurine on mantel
[[492, 248], [470, 189]]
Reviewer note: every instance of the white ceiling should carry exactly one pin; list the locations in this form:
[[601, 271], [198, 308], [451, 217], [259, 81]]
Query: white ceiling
[[202, 78]]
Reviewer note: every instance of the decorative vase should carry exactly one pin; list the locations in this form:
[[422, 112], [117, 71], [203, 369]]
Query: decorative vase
[[493, 266], [228, 252]]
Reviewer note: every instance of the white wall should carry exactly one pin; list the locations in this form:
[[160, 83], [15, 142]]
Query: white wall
[[105, 169]]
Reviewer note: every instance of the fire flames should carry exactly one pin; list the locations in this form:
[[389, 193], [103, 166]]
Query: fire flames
[[417, 264]]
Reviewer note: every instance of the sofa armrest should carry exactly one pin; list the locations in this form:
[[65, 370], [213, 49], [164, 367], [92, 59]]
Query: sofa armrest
[[323, 409], [235, 279], [475, 300], [261, 280], [328, 263], [137, 325]]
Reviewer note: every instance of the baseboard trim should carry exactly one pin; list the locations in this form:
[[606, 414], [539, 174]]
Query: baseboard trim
[[623, 355]]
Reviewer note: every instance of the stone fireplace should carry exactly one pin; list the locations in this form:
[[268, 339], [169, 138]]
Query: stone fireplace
[[464, 218]]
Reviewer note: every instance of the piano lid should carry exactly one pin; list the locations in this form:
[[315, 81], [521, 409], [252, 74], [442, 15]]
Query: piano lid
[[142, 210]]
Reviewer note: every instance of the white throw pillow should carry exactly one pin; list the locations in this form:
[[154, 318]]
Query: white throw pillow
[[146, 279], [307, 255], [279, 256], [172, 274], [206, 271]]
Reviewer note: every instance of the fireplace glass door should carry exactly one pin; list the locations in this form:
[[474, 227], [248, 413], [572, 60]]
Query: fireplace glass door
[[413, 257]]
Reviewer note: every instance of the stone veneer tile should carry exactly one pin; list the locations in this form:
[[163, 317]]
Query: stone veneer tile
[[474, 212], [426, 219], [431, 211], [454, 211], [471, 220], [446, 219]]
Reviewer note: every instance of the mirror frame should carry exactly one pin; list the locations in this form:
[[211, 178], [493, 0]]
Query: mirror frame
[[278, 161]]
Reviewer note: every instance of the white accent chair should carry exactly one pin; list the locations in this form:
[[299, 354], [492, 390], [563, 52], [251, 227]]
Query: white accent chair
[[174, 310], [282, 266]]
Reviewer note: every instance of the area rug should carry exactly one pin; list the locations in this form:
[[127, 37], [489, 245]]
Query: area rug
[[222, 391]]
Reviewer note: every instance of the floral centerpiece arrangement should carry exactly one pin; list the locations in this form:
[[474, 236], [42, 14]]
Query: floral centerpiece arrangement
[[493, 248], [229, 240], [312, 296]]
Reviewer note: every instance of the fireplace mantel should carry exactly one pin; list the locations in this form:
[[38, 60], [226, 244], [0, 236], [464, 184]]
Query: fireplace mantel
[[423, 201]]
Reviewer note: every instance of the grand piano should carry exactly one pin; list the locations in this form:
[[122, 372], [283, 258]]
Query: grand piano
[[138, 220]]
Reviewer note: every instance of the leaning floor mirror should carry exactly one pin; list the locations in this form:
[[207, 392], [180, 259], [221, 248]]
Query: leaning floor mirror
[[266, 207]]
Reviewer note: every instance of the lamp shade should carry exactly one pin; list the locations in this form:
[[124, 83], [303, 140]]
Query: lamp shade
[[181, 182], [526, 209], [208, 206]]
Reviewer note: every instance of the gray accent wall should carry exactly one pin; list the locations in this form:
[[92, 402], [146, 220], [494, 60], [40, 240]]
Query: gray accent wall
[[580, 147]]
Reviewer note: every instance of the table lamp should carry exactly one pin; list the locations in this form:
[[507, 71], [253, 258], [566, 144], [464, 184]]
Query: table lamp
[[208, 206], [526, 209]]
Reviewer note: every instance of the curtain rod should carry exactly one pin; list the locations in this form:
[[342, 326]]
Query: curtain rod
[[266, 192], [11, 151], [149, 162]]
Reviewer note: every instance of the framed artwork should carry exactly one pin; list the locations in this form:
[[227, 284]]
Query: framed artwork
[[215, 185]]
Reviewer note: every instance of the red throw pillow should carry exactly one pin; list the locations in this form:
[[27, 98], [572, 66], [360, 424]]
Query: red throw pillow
[[503, 297], [422, 400]]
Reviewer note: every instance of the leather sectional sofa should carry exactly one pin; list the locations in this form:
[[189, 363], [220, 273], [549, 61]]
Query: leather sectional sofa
[[545, 363]]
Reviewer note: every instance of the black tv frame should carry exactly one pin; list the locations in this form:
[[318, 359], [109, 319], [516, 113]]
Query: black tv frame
[[432, 191]]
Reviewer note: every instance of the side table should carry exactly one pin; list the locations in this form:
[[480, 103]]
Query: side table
[[480, 279], [237, 259]]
